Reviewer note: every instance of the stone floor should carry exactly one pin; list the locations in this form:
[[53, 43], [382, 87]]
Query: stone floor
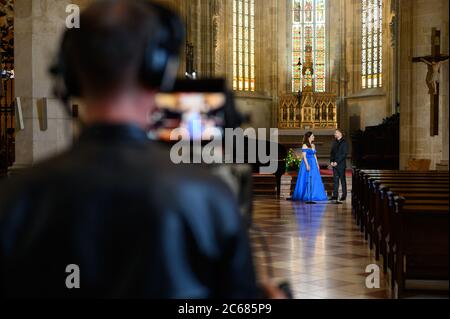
[[318, 249]]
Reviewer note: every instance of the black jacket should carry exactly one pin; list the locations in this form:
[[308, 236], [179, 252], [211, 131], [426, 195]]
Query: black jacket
[[136, 225], [339, 153]]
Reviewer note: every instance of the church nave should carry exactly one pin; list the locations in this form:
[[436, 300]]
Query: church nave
[[319, 250]]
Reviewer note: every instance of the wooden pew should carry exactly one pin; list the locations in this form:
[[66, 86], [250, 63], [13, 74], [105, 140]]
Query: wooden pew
[[379, 214], [377, 191], [422, 244], [376, 207], [366, 188], [362, 199], [361, 187], [387, 235], [359, 176], [359, 193]]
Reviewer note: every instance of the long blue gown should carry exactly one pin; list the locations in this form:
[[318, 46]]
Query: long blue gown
[[309, 184]]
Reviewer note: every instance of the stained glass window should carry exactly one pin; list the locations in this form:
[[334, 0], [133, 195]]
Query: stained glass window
[[372, 43], [244, 45], [309, 33]]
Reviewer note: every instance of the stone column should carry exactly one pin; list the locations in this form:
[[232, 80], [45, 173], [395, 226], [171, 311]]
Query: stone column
[[416, 22], [47, 130], [444, 164]]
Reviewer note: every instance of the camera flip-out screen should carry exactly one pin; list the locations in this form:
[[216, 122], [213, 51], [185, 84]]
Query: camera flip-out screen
[[195, 109]]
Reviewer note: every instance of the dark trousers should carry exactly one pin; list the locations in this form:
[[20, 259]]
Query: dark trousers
[[339, 175]]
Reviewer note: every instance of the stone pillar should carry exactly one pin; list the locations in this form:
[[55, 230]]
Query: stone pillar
[[444, 90], [48, 130], [405, 81], [416, 22]]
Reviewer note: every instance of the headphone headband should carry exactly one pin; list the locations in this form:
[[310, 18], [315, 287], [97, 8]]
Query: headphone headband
[[160, 57]]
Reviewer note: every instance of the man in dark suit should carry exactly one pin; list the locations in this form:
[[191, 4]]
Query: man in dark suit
[[112, 217], [338, 159]]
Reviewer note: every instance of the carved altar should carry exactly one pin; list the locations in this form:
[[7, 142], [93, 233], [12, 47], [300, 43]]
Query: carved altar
[[308, 110], [317, 111]]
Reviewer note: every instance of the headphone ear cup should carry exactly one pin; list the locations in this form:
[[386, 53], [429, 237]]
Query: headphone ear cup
[[170, 74], [155, 64], [161, 54], [72, 84], [67, 83]]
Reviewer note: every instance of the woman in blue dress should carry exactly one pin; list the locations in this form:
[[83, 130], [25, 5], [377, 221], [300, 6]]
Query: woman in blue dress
[[309, 183]]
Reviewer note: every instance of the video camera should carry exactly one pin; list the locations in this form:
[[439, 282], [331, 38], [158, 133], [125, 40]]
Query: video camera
[[205, 108], [198, 106]]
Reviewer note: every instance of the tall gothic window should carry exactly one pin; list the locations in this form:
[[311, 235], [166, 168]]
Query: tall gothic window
[[309, 31], [372, 43], [244, 45]]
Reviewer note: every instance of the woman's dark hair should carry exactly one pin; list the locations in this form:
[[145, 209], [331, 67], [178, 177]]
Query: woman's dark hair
[[306, 139]]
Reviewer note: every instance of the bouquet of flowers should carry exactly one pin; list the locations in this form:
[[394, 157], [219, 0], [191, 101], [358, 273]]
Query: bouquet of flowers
[[292, 161]]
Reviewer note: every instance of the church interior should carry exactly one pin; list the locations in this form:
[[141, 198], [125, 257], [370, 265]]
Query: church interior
[[377, 70]]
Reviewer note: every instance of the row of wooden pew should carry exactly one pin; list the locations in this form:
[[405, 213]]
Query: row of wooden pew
[[404, 215]]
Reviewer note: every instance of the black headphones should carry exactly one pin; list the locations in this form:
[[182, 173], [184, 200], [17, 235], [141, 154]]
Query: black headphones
[[160, 59]]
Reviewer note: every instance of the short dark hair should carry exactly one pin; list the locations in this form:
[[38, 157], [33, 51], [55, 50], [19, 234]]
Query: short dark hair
[[105, 54], [341, 131]]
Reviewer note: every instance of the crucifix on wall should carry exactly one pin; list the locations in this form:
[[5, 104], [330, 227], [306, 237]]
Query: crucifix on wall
[[434, 62]]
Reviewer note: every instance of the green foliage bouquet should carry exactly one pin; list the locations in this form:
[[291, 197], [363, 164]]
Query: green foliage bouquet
[[292, 161]]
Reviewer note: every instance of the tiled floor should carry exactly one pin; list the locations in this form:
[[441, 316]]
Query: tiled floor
[[318, 249]]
